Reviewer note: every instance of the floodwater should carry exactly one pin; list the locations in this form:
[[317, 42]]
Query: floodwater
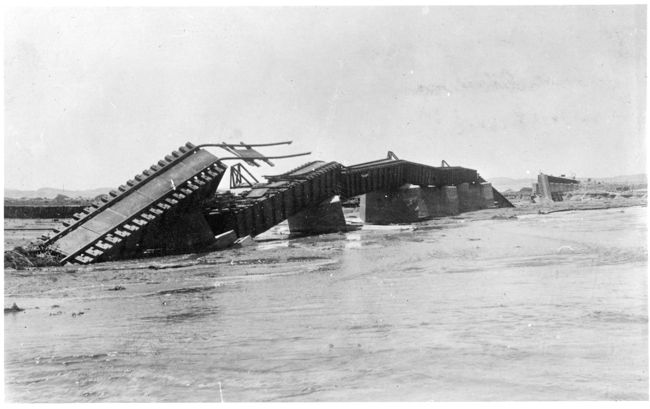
[[541, 307]]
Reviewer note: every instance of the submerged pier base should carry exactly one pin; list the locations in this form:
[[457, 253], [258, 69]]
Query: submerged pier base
[[475, 196], [408, 205], [440, 201], [390, 206], [326, 217]]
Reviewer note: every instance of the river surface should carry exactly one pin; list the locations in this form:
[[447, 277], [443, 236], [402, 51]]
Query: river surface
[[539, 307]]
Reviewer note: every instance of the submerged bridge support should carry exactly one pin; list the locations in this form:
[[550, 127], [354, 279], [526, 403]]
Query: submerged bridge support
[[470, 197], [407, 205], [390, 206], [325, 217], [440, 201]]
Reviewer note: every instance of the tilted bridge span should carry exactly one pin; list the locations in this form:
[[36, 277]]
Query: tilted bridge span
[[172, 207]]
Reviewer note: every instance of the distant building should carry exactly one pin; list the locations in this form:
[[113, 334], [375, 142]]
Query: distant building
[[553, 187]]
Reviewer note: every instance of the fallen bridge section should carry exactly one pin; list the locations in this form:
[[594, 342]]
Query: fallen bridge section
[[152, 211]]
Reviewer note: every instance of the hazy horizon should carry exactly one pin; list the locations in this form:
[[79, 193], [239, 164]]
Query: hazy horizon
[[95, 95], [496, 177]]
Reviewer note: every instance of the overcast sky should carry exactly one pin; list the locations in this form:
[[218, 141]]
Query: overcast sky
[[94, 96]]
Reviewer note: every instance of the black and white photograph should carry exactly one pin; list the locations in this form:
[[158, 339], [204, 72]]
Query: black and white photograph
[[325, 203]]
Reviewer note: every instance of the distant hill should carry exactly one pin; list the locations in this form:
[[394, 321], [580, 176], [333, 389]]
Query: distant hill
[[504, 183], [48, 192], [638, 179]]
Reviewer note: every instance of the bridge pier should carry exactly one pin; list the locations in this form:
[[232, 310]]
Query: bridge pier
[[390, 206], [408, 205], [471, 196], [488, 195], [326, 217], [179, 232], [176, 232], [440, 201]]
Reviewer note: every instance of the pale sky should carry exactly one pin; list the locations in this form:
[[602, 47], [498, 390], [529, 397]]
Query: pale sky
[[94, 96]]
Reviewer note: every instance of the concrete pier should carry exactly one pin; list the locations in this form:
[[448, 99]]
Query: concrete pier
[[487, 192], [440, 201], [181, 232], [408, 205], [326, 217], [470, 197], [390, 206]]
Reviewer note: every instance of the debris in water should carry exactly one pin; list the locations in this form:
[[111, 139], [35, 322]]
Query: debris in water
[[173, 265], [13, 308], [503, 217], [244, 241]]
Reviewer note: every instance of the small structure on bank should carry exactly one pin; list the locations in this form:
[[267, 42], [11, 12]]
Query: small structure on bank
[[553, 187]]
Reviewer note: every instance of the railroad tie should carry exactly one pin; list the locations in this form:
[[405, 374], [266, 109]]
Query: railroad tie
[[83, 259], [147, 216], [140, 222], [123, 234], [112, 239], [94, 252], [171, 201], [104, 246]]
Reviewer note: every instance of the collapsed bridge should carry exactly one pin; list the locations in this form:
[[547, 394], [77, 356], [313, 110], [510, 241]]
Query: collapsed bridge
[[172, 207]]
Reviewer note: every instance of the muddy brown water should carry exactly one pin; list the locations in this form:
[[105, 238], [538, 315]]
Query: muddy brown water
[[541, 307]]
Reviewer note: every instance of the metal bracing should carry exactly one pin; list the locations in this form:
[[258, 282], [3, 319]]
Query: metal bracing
[[240, 177]]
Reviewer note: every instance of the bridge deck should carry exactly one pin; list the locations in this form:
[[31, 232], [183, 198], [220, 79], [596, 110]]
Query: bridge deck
[[168, 194], [177, 181]]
